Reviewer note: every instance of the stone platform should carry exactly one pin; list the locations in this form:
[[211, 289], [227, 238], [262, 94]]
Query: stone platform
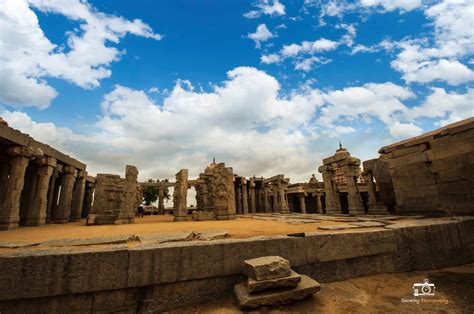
[[131, 275]]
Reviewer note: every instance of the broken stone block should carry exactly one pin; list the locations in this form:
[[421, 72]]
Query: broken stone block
[[286, 282], [267, 267], [306, 287]]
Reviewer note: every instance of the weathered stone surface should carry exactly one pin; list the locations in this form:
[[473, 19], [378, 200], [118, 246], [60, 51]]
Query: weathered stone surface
[[122, 239], [180, 192], [306, 287], [267, 267], [212, 235], [335, 227], [367, 224], [203, 215], [259, 285]]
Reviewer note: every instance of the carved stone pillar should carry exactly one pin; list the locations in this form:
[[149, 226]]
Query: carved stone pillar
[[10, 206], [245, 198], [253, 205], [319, 204], [332, 197], [38, 204], [353, 197], [302, 204], [266, 203], [88, 196], [276, 206], [180, 207], [284, 207], [376, 207], [61, 215], [238, 201], [161, 200], [78, 198]]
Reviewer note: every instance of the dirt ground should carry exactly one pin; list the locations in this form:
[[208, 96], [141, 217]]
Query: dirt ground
[[390, 293], [238, 228]]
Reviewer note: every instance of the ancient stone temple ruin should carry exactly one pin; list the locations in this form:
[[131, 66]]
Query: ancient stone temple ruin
[[180, 193], [116, 199], [342, 181], [430, 174], [215, 191], [38, 184]]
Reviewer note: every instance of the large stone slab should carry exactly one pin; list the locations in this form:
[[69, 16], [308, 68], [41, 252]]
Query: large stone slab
[[290, 281], [267, 267], [306, 287]]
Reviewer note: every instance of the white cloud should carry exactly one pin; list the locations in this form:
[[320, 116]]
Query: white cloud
[[382, 101], [261, 34], [267, 7], [450, 107], [307, 64], [391, 5], [421, 61], [27, 55], [404, 130], [271, 58]]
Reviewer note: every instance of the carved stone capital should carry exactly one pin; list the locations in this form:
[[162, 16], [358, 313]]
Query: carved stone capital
[[46, 161], [69, 169]]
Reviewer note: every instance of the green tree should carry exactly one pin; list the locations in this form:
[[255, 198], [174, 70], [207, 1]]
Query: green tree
[[150, 193]]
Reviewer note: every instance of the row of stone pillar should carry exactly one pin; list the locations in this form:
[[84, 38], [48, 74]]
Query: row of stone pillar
[[318, 205], [43, 192]]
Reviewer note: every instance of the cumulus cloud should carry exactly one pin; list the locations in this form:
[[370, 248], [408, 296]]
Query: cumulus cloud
[[271, 58], [27, 55], [420, 61], [266, 7], [391, 5], [261, 34]]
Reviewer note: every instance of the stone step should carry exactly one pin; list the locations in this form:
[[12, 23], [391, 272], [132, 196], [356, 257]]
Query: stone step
[[286, 282], [306, 287], [267, 267]]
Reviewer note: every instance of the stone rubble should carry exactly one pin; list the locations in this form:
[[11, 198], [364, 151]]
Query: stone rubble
[[272, 282]]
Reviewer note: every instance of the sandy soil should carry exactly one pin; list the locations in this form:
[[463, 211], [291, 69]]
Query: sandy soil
[[375, 294], [238, 228]]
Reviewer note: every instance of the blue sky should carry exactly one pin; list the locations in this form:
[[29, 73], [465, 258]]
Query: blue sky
[[265, 86]]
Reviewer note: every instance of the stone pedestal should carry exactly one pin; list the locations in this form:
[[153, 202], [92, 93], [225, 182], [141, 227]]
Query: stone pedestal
[[37, 207], [10, 205], [61, 215], [78, 198]]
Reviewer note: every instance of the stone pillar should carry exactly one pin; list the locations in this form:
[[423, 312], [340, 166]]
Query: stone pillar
[[284, 207], [276, 205], [332, 197], [353, 197], [238, 201], [319, 204], [245, 198], [302, 204], [88, 196], [161, 199], [10, 206], [38, 204], [61, 215], [78, 199], [253, 205], [180, 208], [53, 193], [266, 203], [375, 206]]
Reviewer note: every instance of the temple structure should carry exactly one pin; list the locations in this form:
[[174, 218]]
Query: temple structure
[[116, 199], [38, 184]]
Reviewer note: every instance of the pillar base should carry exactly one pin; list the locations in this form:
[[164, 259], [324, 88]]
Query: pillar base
[[377, 209], [357, 211], [60, 221], [180, 218], [225, 217], [31, 222], [332, 211], [74, 219], [9, 225]]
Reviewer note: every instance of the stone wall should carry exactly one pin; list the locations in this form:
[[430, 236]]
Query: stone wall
[[159, 277], [430, 173]]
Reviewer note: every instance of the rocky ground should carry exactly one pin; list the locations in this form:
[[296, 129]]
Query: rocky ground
[[389, 293]]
